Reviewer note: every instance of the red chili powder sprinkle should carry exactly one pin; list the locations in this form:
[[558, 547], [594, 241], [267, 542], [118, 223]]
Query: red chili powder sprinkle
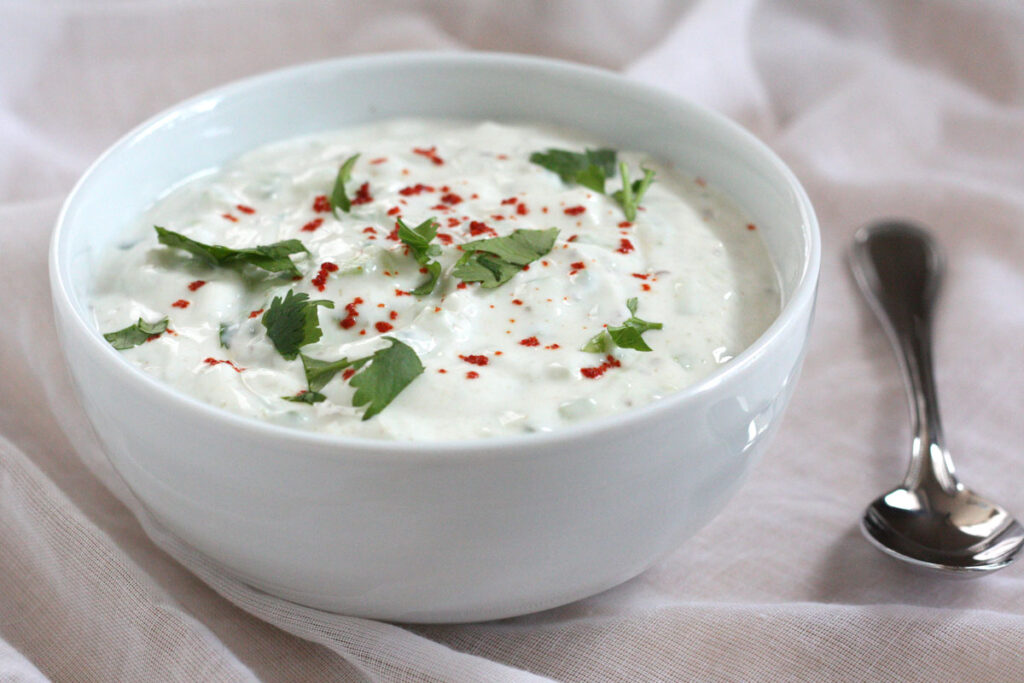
[[502, 156], [383, 327], [418, 188], [575, 210], [594, 373], [497, 217], [510, 200], [245, 209], [393, 211], [214, 361], [751, 226], [393, 235], [451, 198], [399, 292], [572, 238], [313, 225], [522, 210], [193, 286], [437, 309], [552, 347], [347, 374], [461, 285], [321, 204], [641, 276], [578, 265], [370, 229], [475, 360], [440, 207], [472, 374], [478, 228], [379, 160], [442, 370], [544, 209], [529, 341], [453, 222], [229, 217], [353, 312], [363, 195], [430, 153], [254, 314], [180, 303], [625, 224], [517, 302], [498, 353], [320, 281], [444, 238], [646, 287], [625, 246]]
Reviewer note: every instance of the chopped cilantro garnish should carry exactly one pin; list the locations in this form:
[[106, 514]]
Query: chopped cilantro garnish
[[418, 241], [224, 335], [304, 396], [632, 192], [588, 169], [495, 261], [339, 198], [292, 322], [320, 372], [273, 258], [390, 371], [591, 168], [626, 336], [135, 334]]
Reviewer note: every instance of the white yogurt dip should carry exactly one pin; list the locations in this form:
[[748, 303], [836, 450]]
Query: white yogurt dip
[[501, 360]]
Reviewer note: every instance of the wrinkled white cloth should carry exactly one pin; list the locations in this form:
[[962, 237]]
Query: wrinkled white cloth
[[911, 109]]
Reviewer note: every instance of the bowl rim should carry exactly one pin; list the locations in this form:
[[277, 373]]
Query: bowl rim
[[448, 449]]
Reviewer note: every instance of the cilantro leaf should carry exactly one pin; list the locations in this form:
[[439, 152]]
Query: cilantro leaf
[[632, 192], [135, 334], [490, 271], [320, 372], [589, 168], [626, 336], [390, 371], [304, 396], [433, 274], [293, 322], [418, 241], [339, 198], [496, 260], [273, 258], [224, 335]]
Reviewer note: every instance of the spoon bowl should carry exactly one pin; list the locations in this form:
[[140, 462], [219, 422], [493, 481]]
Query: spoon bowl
[[931, 520], [961, 533]]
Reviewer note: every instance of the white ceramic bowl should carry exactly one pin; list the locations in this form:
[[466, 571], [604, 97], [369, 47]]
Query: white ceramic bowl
[[443, 531]]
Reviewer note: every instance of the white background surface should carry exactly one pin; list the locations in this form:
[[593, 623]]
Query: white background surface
[[900, 108]]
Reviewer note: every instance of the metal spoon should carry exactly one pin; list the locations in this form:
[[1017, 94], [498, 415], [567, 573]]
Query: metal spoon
[[931, 520]]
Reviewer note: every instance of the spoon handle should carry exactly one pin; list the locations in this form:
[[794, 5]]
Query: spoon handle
[[898, 267]]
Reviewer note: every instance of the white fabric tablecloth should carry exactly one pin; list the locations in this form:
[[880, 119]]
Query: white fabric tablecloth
[[902, 108]]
